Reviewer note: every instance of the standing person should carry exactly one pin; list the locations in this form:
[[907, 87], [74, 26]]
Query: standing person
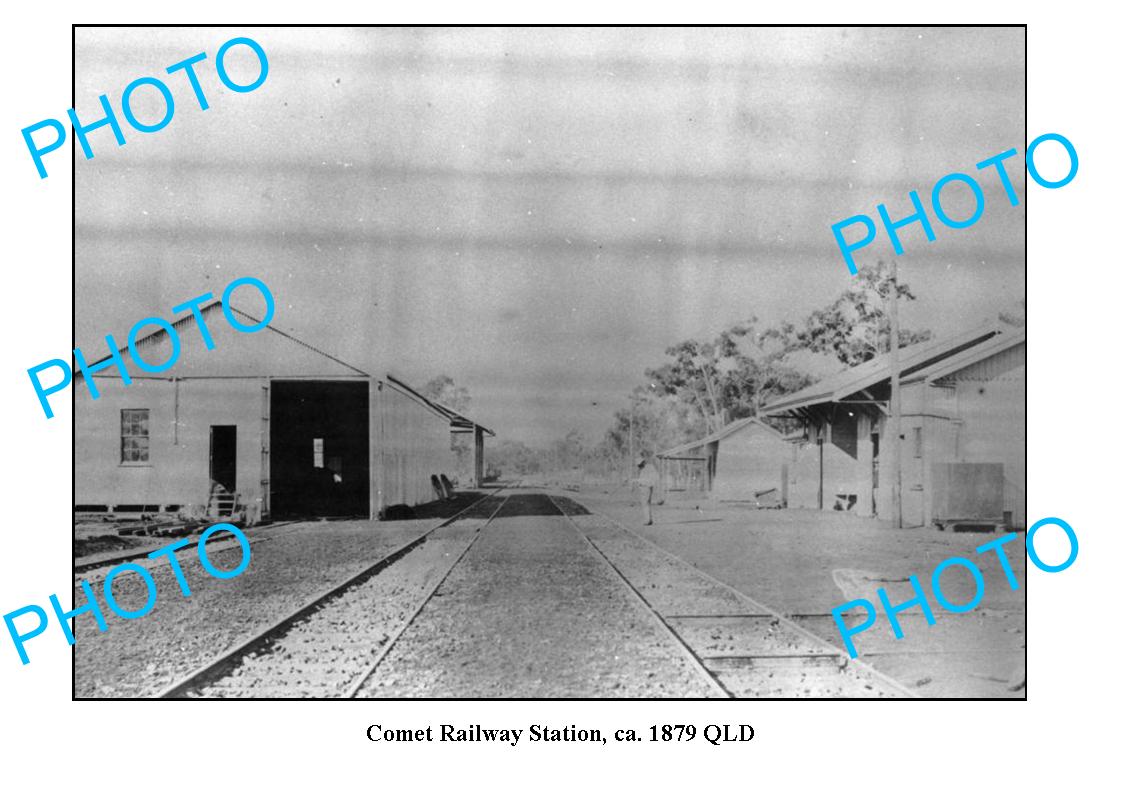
[[646, 479]]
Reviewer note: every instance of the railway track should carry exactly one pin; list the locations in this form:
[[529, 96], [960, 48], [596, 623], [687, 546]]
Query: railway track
[[744, 647], [333, 646], [266, 535], [324, 648], [362, 680], [534, 611], [717, 688]]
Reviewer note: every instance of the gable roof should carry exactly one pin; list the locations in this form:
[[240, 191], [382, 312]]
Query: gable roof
[[265, 353], [455, 419], [915, 361], [965, 359], [268, 352], [720, 434]]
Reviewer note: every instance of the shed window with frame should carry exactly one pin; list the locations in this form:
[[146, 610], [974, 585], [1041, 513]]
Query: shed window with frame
[[134, 436]]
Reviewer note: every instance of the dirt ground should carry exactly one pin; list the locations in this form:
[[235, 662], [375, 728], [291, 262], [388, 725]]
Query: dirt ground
[[803, 563]]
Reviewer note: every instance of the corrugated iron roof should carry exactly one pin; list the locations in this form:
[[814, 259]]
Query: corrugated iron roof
[[720, 434], [915, 361], [155, 337], [456, 420], [964, 359], [159, 335]]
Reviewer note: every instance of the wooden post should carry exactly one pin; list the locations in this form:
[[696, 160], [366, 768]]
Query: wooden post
[[479, 451], [821, 431], [374, 445], [175, 419], [895, 400], [265, 500]]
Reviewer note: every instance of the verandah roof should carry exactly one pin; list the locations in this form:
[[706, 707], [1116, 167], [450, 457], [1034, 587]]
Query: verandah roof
[[915, 362]]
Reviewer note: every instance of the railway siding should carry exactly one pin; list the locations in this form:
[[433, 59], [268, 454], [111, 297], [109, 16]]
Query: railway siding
[[750, 650], [320, 648], [143, 658], [323, 655]]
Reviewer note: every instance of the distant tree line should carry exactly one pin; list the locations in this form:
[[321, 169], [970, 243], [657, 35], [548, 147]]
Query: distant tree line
[[702, 385], [705, 385]]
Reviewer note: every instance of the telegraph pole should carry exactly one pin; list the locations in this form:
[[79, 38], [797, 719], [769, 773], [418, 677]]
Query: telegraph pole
[[895, 399]]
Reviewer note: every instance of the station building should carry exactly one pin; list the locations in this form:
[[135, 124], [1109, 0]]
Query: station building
[[963, 433], [262, 426]]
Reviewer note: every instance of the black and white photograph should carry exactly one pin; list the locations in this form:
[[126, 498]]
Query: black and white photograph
[[550, 363]]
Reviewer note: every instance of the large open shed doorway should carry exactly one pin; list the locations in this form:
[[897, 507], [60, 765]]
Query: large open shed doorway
[[319, 441]]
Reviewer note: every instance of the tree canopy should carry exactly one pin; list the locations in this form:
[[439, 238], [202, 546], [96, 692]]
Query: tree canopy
[[443, 389], [702, 385]]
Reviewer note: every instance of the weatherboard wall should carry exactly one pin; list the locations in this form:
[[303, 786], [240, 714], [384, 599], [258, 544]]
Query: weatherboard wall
[[412, 443], [750, 460], [177, 470]]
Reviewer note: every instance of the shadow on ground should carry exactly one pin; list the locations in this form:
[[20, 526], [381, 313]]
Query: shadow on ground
[[435, 510], [570, 506], [534, 505]]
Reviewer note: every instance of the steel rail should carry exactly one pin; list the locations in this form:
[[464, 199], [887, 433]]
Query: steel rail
[[389, 645], [228, 660], [714, 684], [760, 607], [140, 555]]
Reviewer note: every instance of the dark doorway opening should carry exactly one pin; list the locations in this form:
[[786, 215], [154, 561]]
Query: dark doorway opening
[[319, 444], [224, 457]]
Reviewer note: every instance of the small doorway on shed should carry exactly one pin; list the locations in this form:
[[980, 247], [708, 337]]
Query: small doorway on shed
[[319, 443], [224, 457]]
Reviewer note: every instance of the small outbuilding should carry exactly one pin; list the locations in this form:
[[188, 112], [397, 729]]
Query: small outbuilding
[[747, 460]]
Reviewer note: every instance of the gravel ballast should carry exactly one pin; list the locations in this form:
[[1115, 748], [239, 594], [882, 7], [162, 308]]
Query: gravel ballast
[[142, 657], [325, 654], [531, 611]]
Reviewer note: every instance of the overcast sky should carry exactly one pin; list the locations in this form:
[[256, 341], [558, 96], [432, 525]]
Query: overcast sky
[[540, 213]]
